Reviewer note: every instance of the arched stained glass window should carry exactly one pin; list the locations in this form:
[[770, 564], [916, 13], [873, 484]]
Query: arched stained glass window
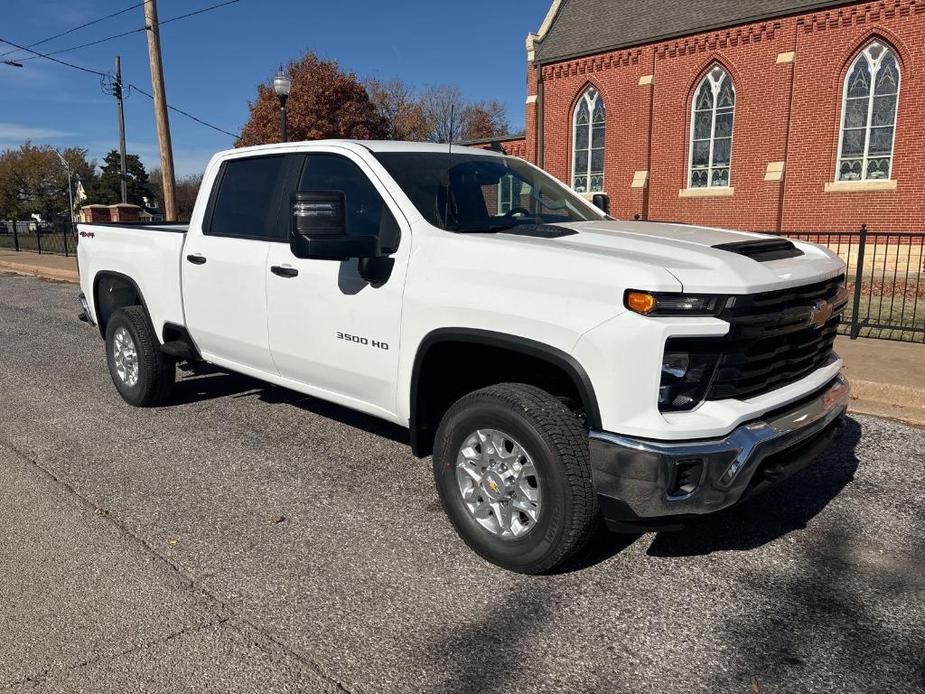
[[711, 131], [868, 125], [588, 124]]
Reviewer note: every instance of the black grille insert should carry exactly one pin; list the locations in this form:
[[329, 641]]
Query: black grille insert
[[775, 338]]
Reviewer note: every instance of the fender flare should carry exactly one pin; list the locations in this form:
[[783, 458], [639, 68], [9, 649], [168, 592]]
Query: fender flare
[[538, 350], [103, 274]]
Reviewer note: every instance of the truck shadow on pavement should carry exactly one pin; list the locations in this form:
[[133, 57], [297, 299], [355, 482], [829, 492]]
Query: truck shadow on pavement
[[209, 383], [763, 519], [768, 517], [787, 507]]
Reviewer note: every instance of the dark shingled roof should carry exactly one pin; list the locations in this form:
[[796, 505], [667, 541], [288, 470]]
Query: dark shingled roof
[[582, 27]]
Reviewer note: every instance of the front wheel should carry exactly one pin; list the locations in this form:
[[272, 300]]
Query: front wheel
[[142, 374], [512, 470]]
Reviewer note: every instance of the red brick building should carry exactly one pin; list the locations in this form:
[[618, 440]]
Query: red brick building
[[772, 115]]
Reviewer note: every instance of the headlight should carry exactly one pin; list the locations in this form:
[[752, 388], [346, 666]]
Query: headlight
[[685, 378], [669, 304]]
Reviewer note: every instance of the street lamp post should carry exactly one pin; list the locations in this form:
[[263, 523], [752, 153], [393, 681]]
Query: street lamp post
[[70, 195], [281, 85]]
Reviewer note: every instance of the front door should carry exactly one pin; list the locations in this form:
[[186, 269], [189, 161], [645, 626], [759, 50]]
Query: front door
[[330, 331], [225, 261]]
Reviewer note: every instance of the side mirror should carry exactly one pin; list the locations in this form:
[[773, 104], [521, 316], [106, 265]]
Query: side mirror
[[318, 229], [601, 201]]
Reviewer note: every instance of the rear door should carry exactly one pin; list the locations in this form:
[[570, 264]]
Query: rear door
[[225, 261]]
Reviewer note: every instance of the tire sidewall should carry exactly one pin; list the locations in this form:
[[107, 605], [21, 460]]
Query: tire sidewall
[[518, 554], [132, 394]]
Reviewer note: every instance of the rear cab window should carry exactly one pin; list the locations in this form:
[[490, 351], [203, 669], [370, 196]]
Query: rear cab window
[[251, 197]]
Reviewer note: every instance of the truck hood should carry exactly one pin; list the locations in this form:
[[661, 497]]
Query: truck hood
[[691, 255]]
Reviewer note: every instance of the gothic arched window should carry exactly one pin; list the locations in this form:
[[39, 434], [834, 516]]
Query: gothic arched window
[[711, 131], [588, 124], [868, 123]]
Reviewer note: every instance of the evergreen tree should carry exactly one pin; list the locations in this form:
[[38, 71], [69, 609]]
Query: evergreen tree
[[106, 189]]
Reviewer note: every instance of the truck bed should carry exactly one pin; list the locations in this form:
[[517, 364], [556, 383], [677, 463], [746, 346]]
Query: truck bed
[[147, 254]]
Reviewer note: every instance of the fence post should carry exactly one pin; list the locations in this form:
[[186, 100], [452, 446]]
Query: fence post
[[64, 235], [15, 236], [858, 278]]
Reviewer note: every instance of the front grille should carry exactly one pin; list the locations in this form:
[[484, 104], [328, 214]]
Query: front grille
[[772, 340], [770, 343]]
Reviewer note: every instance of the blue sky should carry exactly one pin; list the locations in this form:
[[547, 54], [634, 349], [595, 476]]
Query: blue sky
[[214, 61]]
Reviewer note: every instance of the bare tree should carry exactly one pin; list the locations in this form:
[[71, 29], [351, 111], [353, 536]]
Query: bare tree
[[444, 106], [400, 106]]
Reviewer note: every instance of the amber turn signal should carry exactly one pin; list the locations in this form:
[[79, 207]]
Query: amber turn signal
[[640, 302]]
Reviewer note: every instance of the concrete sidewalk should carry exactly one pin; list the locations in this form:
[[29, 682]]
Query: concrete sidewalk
[[50, 267], [887, 378]]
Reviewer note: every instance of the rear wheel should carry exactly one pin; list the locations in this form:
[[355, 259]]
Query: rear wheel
[[142, 374], [512, 469]]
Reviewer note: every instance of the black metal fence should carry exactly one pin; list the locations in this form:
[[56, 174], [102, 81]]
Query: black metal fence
[[886, 280], [57, 238], [886, 272]]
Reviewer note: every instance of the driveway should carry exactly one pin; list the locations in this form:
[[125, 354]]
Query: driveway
[[247, 538]]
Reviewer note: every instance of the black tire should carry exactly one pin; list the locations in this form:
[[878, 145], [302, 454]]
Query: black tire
[[556, 441], [156, 370]]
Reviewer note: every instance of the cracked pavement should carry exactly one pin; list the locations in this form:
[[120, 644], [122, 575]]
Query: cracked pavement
[[245, 538]]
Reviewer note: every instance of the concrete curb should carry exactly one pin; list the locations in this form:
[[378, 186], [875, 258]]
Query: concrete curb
[[42, 272], [903, 403]]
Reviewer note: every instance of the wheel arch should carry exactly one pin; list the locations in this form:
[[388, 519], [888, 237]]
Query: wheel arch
[[119, 291], [429, 400]]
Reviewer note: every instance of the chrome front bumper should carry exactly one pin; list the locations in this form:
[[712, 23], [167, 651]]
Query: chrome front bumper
[[644, 477]]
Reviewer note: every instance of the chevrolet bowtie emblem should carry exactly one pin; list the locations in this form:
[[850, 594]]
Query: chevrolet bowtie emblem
[[819, 314]]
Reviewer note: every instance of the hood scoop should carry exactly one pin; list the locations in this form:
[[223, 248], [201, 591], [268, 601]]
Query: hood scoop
[[762, 250]]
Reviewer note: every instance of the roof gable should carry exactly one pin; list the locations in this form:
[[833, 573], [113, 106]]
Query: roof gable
[[582, 27]]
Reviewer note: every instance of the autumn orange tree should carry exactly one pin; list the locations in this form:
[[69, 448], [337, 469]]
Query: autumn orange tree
[[324, 103]]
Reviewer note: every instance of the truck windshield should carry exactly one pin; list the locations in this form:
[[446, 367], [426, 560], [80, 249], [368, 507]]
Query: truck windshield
[[483, 193]]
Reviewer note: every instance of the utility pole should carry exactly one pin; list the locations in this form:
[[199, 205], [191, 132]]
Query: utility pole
[[117, 92], [70, 196], [160, 109]]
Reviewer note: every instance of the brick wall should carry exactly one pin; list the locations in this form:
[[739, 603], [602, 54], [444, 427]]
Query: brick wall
[[786, 111]]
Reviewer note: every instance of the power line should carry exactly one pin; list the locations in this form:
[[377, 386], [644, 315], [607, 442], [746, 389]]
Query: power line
[[135, 31], [83, 45], [106, 76], [182, 112], [54, 60], [77, 28]]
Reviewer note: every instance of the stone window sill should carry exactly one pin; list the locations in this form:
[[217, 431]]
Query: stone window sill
[[589, 196], [716, 192], [860, 186]]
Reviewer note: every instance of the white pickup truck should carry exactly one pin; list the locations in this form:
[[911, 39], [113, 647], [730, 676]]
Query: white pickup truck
[[561, 366]]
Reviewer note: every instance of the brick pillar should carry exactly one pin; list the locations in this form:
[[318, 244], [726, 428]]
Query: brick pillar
[[95, 213], [125, 212]]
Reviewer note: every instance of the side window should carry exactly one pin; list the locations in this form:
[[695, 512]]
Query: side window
[[247, 203], [367, 213]]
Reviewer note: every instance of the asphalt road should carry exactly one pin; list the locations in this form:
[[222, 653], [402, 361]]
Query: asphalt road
[[246, 538]]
